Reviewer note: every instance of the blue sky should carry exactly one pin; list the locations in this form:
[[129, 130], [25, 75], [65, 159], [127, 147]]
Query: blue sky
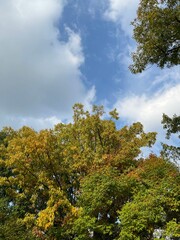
[[55, 53]]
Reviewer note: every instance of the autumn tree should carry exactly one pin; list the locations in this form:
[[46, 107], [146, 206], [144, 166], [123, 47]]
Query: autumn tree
[[86, 180], [51, 169], [11, 227], [156, 31]]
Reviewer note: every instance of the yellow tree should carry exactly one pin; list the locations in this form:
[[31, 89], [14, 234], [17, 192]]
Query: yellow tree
[[51, 169]]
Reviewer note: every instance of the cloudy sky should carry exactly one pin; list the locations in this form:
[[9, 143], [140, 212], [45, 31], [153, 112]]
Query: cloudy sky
[[55, 53]]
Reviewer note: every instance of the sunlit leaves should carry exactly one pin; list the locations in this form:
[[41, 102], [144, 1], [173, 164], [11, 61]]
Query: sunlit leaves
[[84, 180], [156, 203], [156, 30]]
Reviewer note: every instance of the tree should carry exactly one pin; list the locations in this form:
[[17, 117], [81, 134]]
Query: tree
[[86, 180], [51, 171], [153, 212], [11, 226], [172, 126], [136, 204], [156, 30]]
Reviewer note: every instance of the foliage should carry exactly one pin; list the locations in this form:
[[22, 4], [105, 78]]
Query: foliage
[[156, 30], [11, 226], [172, 126], [155, 206], [85, 180]]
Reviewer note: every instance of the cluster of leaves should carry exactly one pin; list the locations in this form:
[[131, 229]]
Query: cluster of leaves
[[156, 30], [172, 126], [85, 180]]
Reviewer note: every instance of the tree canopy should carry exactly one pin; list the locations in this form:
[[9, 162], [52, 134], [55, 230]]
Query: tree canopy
[[156, 31], [86, 180]]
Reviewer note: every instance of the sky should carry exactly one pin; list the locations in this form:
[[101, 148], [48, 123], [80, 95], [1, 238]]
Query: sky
[[55, 53]]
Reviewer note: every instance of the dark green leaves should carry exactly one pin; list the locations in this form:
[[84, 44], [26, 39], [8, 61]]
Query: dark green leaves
[[156, 30]]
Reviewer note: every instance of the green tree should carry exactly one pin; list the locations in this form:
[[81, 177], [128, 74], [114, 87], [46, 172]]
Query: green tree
[[172, 126], [156, 30], [154, 211]]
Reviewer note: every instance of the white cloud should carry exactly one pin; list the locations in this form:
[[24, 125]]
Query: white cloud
[[122, 12], [40, 75], [149, 110], [36, 123]]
